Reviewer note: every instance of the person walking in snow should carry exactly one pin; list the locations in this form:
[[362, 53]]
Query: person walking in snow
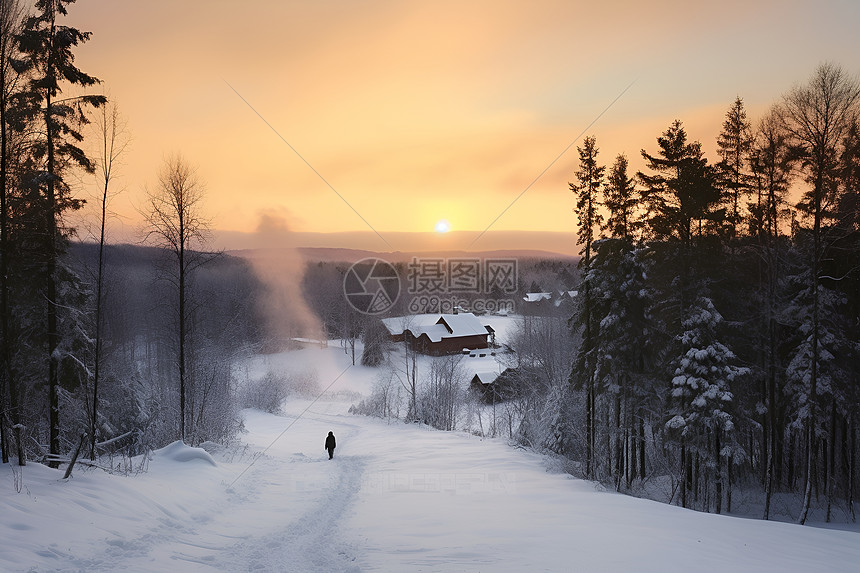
[[330, 445]]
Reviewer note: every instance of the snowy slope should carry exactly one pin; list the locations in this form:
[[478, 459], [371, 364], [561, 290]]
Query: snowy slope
[[395, 498]]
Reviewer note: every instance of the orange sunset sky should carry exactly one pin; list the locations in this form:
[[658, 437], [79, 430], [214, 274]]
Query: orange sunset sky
[[426, 110]]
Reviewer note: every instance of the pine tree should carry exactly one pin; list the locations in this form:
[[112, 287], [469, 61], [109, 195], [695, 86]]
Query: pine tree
[[10, 18], [621, 300], [621, 201], [701, 421], [848, 207], [48, 60], [733, 145], [818, 408], [771, 165], [679, 199], [681, 195], [590, 178], [845, 264]]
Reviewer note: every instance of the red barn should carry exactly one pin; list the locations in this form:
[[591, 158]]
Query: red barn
[[440, 333]]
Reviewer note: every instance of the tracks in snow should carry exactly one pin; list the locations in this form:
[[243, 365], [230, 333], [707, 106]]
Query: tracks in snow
[[284, 515], [311, 542]]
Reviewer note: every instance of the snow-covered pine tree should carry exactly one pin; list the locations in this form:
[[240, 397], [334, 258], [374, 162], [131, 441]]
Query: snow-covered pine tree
[[47, 60], [556, 432], [621, 301], [375, 338], [822, 407], [701, 400]]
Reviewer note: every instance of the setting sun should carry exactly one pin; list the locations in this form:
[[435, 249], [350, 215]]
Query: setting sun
[[442, 226]]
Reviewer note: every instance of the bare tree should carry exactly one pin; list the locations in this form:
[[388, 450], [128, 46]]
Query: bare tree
[[818, 117], [407, 376], [175, 223], [442, 395], [114, 141]]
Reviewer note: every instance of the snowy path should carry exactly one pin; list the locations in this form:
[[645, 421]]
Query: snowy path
[[310, 541], [395, 498], [287, 506]]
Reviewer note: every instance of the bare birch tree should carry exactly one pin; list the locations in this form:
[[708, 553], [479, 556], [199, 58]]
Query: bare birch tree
[[175, 223], [114, 141]]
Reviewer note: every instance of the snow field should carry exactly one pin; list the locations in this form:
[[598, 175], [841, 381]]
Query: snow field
[[396, 497]]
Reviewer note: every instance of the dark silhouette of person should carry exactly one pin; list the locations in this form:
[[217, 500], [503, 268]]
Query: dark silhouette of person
[[330, 445]]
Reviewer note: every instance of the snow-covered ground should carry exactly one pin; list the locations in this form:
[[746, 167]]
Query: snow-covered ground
[[396, 497]]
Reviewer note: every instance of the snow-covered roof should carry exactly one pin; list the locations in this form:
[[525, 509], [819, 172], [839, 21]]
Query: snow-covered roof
[[394, 325], [486, 377], [463, 324], [537, 296], [437, 326], [435, 332]]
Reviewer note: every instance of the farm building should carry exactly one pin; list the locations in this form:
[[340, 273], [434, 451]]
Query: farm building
[[540, 303], [439, 334], [497, 387]]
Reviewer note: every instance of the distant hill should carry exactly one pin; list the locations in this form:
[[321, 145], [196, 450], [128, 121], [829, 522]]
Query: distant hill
[[125, 254], [331, 254], [404, 242]]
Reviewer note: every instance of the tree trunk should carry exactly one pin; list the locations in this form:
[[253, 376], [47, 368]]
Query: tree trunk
[[790, 477], [641, 449], [718, 493], [695, 479], [181, 332], [5, 358], [684, 475], [770, 451], [852, 464], [51, 293], [813, 382], [629, 462], [9, 395], [74, 459], [807, 491], [98, 341], [830, 461], [729, 479], [619, 444]]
